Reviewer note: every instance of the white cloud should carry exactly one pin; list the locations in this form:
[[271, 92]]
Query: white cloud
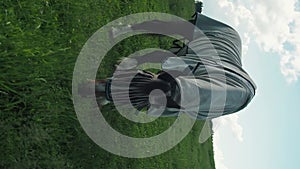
[[271, 24], [230, 121], [218, 154], [246, 41]]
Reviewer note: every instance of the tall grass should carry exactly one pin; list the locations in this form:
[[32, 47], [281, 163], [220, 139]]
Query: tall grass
[[39, 43]]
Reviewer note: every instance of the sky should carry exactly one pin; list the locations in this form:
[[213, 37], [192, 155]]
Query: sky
[[265, 134]]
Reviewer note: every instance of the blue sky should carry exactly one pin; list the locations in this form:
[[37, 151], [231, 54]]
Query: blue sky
[[265, 134]]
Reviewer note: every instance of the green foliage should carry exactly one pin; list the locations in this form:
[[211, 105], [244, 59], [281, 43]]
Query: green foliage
[[39, 44]]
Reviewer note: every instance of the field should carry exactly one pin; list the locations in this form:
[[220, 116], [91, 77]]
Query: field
[[39, 44]]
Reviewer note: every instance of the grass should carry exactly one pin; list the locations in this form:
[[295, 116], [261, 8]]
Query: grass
[[39, 44]]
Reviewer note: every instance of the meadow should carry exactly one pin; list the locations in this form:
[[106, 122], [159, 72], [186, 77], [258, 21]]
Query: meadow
[[39, 44]]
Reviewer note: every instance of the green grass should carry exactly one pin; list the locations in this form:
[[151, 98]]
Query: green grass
[[39, 44]]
